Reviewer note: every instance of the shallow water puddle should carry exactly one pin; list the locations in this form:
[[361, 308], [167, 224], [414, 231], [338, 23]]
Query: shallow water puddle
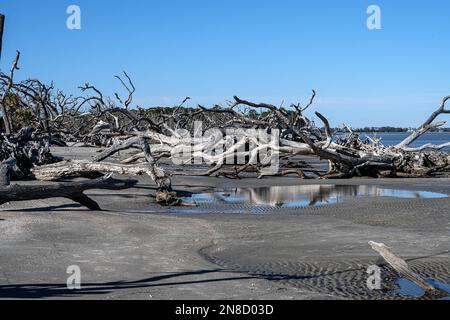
[[303, 195], [410, 289]]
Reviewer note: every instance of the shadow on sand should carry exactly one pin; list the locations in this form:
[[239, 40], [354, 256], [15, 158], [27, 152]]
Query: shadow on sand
[[45, 290]]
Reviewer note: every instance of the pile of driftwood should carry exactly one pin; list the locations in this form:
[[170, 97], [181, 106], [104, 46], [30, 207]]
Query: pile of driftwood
[[28, 151], [37, 116]]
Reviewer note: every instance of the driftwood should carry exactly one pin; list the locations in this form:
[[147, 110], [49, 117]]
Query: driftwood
[[5, 168], [4, 174], [87, 169], [400, 265], [8, 84], [82, 168], [426, 126], [70, 190], [95, 119], [27, 149]]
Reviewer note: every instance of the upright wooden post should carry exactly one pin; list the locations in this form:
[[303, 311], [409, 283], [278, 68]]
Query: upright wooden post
[[2, 106], [2, 24]]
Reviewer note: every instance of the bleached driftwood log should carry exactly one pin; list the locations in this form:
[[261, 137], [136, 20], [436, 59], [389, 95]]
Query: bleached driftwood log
[[70, 190], [85, 168], [400, 265]]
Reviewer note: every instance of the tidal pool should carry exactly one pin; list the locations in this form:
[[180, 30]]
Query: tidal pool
[[408, 288], [302, 195]]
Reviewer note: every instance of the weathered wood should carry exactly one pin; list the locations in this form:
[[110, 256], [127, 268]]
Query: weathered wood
[[5, 167], [400, 265], [27, 150], [164, 195], [2, 25], [427, 125], [85, 168], [5, 116], [4, 175], [118, 146], [103, 121]]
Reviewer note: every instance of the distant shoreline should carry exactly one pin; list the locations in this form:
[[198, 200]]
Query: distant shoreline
[[389, 130], [392, 138], [400, 132]]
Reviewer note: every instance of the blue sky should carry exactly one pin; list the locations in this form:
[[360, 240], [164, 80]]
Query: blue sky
[[270, 51]]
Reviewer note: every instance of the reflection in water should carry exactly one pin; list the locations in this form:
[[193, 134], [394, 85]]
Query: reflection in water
[[304, 195]]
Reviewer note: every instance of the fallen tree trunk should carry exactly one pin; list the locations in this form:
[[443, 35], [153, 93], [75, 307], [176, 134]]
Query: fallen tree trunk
[[164, 194], [82, 168], [70, 190]]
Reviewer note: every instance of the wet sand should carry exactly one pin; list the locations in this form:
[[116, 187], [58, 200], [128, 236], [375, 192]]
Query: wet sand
[[137, 250]]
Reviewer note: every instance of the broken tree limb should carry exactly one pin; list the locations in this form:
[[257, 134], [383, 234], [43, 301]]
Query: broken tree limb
[[155, 172], [165, 195], [427, 125], [118, 146], [327, 130], [400, 265], [427, 146], [70, 190]]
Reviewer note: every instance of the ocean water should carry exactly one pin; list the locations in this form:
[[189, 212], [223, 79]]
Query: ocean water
[[390, 139]]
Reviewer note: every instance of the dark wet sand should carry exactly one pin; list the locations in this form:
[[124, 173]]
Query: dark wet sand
[[308, 253]]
